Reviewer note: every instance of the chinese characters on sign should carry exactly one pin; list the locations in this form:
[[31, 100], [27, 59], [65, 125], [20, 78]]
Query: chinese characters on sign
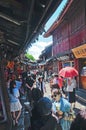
[[80, 52]]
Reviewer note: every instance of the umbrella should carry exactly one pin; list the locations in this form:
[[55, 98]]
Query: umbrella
[[68, 72]]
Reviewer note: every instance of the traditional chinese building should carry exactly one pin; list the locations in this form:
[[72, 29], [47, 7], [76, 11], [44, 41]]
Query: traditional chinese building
[[69, 38], [46, 57]]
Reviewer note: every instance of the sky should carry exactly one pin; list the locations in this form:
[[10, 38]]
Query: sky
[[42, 42]]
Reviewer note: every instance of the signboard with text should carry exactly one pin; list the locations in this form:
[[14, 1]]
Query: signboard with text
[[80, 52]]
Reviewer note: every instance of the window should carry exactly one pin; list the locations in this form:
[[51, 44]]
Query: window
[[69, 63]]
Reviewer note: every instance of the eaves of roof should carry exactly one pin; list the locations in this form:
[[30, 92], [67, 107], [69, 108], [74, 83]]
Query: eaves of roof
[[58, 21]]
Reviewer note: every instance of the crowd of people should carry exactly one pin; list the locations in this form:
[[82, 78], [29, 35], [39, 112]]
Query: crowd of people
[[51, 113], [66, 85]]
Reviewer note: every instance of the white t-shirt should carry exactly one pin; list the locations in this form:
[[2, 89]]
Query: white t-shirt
[[55, 81], [71, 86]]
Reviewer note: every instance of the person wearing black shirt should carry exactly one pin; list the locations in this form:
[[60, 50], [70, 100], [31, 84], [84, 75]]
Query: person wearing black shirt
[[29, 84]]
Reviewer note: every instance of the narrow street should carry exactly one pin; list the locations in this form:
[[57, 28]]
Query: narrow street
[[42, 42]]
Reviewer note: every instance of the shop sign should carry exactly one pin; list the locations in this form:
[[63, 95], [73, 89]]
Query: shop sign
[[62, 58], [80, 52]]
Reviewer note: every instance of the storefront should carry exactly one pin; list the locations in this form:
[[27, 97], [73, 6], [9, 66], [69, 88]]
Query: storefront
[[65, 61], [80, 54]]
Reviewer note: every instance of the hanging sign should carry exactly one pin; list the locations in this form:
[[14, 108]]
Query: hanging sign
[[80, 52]]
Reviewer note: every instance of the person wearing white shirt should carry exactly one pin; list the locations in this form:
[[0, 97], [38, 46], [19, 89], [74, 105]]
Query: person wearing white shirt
[[71, 86], [41, 85]]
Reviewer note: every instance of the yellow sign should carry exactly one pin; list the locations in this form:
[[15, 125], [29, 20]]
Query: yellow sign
[[80, 52]]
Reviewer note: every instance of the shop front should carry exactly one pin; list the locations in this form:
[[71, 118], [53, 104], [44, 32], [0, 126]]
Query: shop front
[[65, 61], [82, 63], [80, 54]]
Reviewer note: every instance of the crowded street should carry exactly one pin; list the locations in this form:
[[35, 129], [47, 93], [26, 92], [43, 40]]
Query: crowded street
[[79, 103], [42, 65], [24, 121]]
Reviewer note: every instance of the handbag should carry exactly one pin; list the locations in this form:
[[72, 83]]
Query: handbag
[[69, 116]]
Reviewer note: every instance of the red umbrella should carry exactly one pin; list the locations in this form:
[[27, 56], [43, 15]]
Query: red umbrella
[[68, 72]]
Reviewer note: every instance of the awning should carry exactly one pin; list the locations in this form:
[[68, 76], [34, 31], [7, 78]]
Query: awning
[[42, 63], [80, 52]]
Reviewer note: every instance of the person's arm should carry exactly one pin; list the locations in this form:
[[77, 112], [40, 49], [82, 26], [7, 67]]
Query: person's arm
[[56, 113], [59, 114], [28, 86], [34, 81], [53, 108], [37, 84], [32, 87], [44, 87]]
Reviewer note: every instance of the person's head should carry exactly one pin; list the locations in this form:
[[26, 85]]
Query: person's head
[[12, 85], [52, 94], [70, 78], [36, 94], [13, 77], [44, 106], [55, 75], [55, 86], [29, 75], [19, 78], [40, 78], [56, 94], [80, 121]]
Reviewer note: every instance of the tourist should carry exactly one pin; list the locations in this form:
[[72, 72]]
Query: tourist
[[15, 105]]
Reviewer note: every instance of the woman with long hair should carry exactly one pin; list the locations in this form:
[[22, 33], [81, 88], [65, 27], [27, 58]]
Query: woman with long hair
[[60, 108], [15, 105]]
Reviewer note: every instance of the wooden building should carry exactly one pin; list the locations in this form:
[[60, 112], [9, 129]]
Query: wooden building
[[69, 38]]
